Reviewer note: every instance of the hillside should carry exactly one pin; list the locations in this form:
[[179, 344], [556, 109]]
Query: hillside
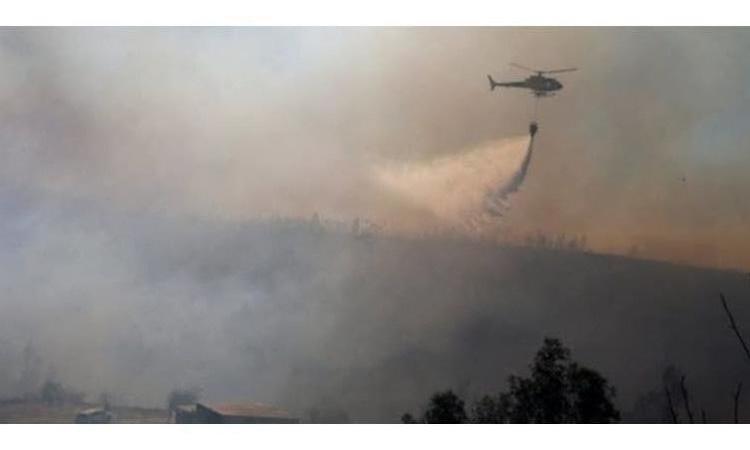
[[289, 314], [383, 322]]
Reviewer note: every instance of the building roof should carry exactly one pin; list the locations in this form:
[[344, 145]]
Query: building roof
[[247, 409]]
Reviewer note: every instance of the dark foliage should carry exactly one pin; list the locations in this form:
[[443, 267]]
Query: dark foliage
[[445, 407], [558, 390], [592, 397], [491, 409]]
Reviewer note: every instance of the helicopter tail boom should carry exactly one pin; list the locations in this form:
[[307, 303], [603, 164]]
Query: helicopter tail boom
[[494, 84]]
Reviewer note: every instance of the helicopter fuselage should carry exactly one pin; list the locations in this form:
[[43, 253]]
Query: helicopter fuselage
[[539, 85], [542, 84]]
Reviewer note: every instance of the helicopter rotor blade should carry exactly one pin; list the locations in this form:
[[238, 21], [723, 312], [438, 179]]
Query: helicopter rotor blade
[[523, 67], [572, 69]]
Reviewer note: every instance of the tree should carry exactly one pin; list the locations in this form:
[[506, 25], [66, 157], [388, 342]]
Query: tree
[[560, 391], [592, 397], [445, 407], [490, 409]]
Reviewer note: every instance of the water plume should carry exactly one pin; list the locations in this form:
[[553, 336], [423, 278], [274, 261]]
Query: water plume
[[496, 203], [454, 189]]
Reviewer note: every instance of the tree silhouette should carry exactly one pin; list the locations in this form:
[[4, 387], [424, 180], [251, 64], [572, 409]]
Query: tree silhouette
[[542, 398], [445, 407], [491, 409], [560, 391], [592, 397]]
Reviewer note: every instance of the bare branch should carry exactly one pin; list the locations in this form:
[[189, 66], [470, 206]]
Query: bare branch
[[737, 402], [671, 405], [685, 398], [733, 326]]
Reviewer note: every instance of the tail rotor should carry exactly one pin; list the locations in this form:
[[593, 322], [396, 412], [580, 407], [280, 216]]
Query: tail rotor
[[493, 83]]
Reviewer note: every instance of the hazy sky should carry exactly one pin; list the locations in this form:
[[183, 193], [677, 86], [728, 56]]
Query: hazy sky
[[238, 123]]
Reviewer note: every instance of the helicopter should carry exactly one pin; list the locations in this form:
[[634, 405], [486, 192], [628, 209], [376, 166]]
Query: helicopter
[[540, 85]]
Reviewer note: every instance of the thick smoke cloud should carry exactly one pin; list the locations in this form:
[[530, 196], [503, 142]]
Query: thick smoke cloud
[[137, 164], [240, 123]]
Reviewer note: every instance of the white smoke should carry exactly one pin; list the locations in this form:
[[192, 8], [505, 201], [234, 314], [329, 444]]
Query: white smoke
[[461, 190]]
